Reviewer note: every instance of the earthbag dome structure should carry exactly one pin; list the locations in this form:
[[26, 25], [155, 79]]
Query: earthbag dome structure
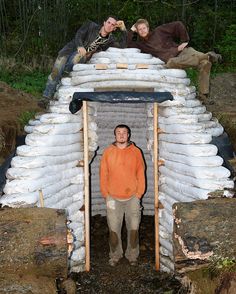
[[51, 161]]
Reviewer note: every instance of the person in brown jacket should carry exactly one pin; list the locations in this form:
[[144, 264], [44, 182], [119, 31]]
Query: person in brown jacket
[[122, 184], [161, 43]]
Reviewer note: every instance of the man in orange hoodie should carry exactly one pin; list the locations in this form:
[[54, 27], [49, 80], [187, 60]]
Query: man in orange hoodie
[[122, 183]]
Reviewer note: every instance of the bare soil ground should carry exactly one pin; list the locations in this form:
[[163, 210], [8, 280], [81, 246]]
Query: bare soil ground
[[124, 278], [12, 104]]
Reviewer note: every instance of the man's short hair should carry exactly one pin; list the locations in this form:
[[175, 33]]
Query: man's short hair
[[141, 21], [122, 126], [112, 16]]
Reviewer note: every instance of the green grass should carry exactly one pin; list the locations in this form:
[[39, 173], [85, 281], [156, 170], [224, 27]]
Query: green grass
[[32, 82], [25, 117]]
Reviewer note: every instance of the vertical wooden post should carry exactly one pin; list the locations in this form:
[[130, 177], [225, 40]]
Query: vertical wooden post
[[41, 200], [86, 187], [155, 161]]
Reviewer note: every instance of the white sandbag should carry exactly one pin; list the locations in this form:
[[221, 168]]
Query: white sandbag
[[216, 131], [163, 233], [130, 84], [208, 172], [59, 129], [204, 116], [185, 188], [114, 49], [181, 119], [78, 179], [163, 251], [180, 128], [26, 186], [34, 122], [78, 255], [167, 111], [29, 129], [55, 118], [65, 93], [63, 198], [78, 197], [28, 173], [78, 216], [122, 54], [190, 138], [55, 140], [19, 200], [192, 103], [167, 263], [41, 161], [128, 75], [178, 197], [210, 184], [75, 206], [166, 219], [179, 91], [188, 149], [66, 81], [124, 59], [164, 202], [60, 109], [26, 150], [204, 161]]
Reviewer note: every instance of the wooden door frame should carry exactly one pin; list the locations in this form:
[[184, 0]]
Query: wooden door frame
[[86, 185]]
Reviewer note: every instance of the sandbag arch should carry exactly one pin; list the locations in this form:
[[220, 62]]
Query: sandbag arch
[[118, 97]]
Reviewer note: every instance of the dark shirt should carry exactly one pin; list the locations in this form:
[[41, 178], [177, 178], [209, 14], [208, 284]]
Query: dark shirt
[[163, 41], [87, 34]]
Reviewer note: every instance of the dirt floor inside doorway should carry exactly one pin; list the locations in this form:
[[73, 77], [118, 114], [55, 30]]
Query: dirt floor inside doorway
[[123, 278]]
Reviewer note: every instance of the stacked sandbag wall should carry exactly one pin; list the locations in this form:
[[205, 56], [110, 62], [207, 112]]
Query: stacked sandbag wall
[[50, 162], [54, 145]]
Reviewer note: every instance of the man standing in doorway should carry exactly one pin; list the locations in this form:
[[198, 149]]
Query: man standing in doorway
[[161, 43], [122, 183]]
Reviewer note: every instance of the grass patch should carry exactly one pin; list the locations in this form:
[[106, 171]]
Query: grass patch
[[25, 117], [32, 82]]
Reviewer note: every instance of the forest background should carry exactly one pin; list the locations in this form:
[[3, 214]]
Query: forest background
[[33, 31]]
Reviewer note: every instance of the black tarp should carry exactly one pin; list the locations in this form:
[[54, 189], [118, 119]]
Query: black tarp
[[117, 97]]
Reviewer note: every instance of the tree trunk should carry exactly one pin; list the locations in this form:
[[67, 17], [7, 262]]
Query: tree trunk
[[33, 241], [203, 229]]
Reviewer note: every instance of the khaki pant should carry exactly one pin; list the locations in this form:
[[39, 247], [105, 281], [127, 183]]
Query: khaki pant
[[116, 210], [189, 57]]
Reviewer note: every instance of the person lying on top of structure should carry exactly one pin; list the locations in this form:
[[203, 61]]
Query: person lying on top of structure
[[161, 43], [89, 39]]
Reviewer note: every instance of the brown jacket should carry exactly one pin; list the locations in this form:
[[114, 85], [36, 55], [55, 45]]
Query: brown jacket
[[161, 42]]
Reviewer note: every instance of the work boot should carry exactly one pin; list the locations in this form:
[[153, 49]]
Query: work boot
[[113, 262], [133, 262], [203, 98], [44, 102], [214, 57]]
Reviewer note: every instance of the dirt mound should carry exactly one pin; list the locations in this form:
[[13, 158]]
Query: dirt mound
[[222, 103], [13, 103]]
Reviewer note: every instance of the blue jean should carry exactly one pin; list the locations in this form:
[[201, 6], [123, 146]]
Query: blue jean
[[61, 65]]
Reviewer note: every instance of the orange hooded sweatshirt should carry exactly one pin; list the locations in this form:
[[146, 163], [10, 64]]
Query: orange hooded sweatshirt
[[122, 172]]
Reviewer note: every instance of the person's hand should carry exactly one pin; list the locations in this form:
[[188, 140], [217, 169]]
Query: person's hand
[[121, 25], [81, 51], [182, 46], [133, 29]]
